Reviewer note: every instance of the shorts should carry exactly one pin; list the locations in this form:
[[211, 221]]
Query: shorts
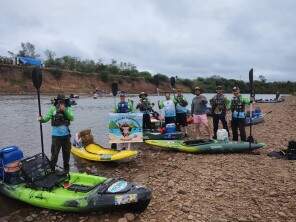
[[200, 119], [181, 119]]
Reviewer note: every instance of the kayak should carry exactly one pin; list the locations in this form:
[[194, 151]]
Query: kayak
[[71, 192], [96, 152], [204, 146], [269, 100], [255, 120], [162, 136], [83, 193]]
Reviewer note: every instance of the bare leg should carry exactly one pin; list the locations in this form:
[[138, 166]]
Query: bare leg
[[208, 130], [197, 131]]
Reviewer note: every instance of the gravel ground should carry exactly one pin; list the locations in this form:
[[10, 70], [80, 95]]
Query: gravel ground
[[188, 187]]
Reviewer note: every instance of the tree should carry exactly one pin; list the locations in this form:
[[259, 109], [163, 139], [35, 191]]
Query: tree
[[28, 49], [262, 78]]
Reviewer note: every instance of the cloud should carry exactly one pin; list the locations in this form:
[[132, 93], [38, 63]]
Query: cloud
[[188, 38]]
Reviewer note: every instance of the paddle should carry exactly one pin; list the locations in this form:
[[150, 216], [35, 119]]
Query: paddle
[[173, 84], [252, 95], [114, 89], [37, 82]]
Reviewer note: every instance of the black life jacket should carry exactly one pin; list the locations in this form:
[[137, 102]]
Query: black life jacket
[[59, 119], [144, 106], [237, 105], [181, 101], [218, 102], [122, 107]]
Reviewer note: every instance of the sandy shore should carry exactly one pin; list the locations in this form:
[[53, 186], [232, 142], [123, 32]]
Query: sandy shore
[[188, 187]]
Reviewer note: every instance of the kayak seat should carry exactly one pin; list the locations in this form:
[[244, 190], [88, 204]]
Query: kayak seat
[[198, 142], [38, 173]]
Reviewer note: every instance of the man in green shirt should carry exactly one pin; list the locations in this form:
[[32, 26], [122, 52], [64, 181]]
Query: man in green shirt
[[60, 114], [237, 107]]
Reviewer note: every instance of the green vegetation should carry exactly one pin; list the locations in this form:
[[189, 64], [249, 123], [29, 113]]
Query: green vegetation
[[119, 70]]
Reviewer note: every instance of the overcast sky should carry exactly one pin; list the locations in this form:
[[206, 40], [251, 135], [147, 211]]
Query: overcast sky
[[188, 38]]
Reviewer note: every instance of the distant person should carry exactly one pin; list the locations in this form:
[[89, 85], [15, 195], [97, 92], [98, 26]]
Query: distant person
[[237, 107], [123, 106], [219, 104], [145, 107], [168, 108], [60, 114], [181, 111], [277, 95], [198, 111]]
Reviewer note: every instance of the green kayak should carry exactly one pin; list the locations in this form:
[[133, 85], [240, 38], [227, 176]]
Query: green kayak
[[72, 192], [205, 146]]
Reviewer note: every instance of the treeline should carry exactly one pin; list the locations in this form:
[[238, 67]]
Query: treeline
[[107, 71]]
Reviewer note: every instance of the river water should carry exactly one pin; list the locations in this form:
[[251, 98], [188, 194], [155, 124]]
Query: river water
[[19, 126]]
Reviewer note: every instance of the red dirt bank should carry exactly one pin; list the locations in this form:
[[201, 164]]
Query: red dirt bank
[[14, 81]]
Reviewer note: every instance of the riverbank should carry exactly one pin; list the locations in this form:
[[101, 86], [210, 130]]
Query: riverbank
[[16, 80], [188, 187]]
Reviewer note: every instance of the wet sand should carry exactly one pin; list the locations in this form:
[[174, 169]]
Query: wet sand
[[188, 187]]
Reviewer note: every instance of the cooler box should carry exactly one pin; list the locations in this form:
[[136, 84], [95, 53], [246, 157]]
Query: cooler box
[[170, 128], [9, 155]]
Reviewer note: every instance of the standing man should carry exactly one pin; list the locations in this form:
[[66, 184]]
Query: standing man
[[145, 107], [198, 110], [181, 111], [219, 104], [237, 107], [169, 109], [60, 114]]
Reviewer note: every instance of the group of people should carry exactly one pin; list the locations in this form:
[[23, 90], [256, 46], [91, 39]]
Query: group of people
[[174, 110]]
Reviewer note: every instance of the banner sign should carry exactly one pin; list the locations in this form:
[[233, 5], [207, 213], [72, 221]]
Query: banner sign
[[125, 127]]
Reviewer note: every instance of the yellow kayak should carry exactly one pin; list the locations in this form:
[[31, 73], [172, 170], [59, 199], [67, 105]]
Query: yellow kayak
[[96, 152]]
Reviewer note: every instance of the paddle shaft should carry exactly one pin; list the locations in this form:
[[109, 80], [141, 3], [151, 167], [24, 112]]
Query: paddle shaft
[[251, 106], [41, 130]]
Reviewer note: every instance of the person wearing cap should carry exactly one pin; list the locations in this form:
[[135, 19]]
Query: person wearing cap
[[198, 111], [145, 107], [168, 108], [123, 106], [181, 111], [60, 114], [238, 104], [220, 104]]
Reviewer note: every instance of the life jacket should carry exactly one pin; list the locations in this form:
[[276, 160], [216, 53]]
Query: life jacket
[[237, 107], [181, 104], [169, 108], [218, 104], [122, 107], [59, 119], [144, 106]]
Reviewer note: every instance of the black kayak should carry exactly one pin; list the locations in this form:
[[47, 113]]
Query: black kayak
[[162, 136], [269, 100]]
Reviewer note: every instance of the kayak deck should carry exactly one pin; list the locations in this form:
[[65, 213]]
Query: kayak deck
[[96, 152], [212, 146]]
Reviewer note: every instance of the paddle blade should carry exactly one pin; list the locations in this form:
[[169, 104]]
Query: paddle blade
[[37, 77], [251, 76], [114, 87], [251, 80], [156, 79], [173, 82]]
